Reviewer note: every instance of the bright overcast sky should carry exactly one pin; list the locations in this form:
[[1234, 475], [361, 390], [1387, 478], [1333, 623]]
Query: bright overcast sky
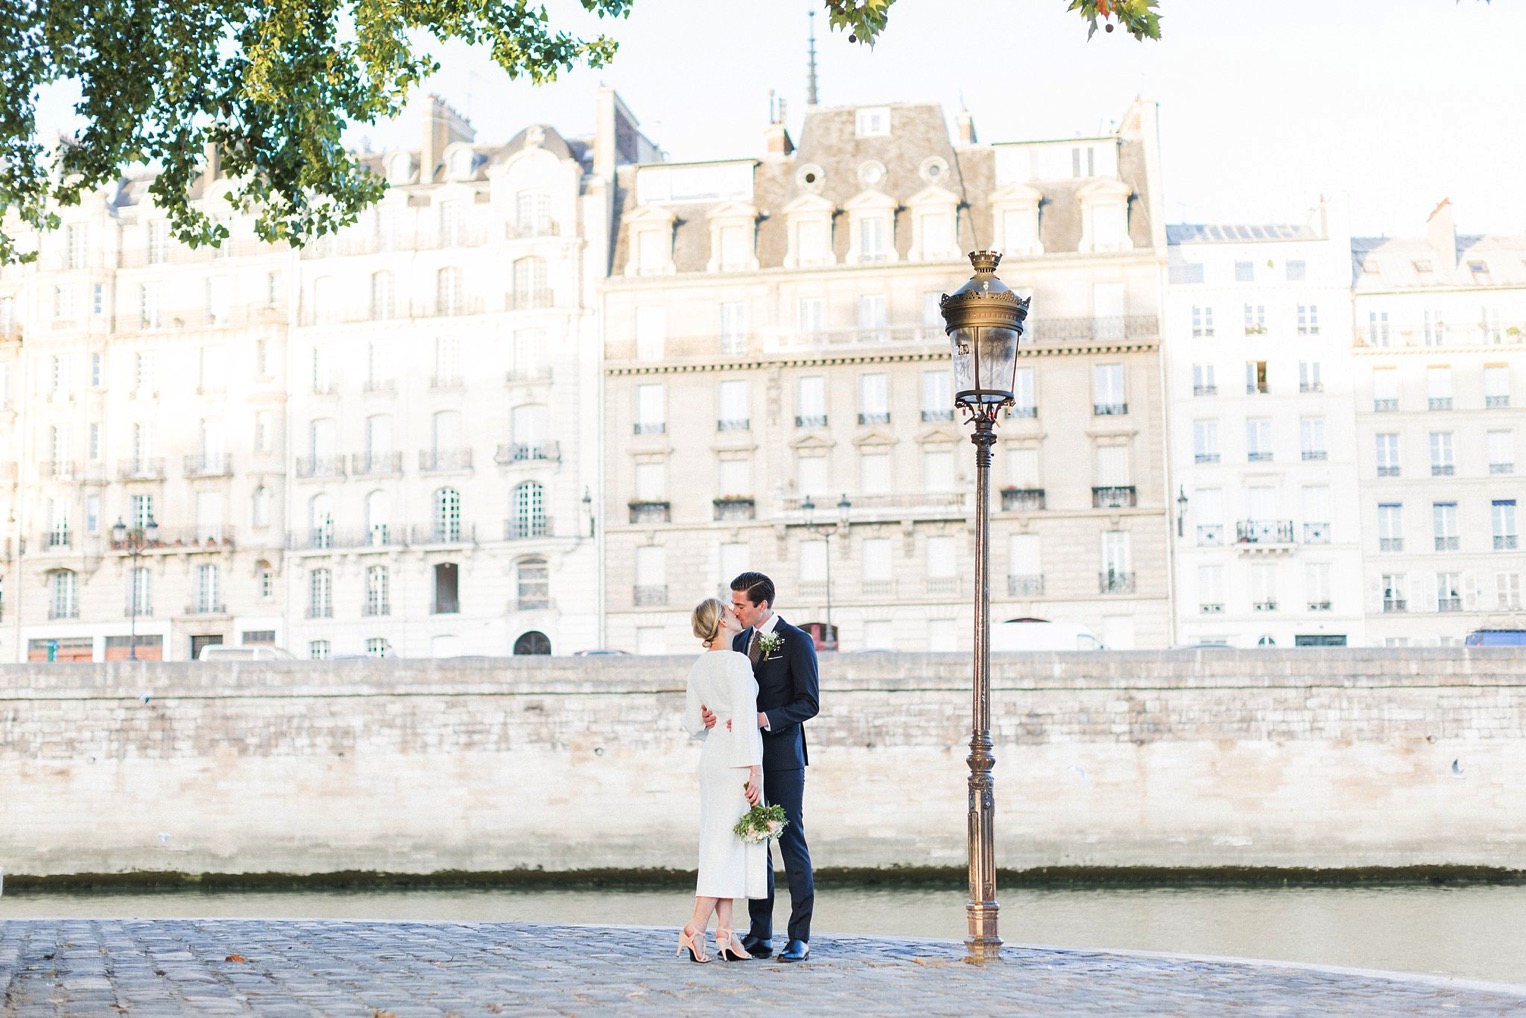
[[1263, 107]]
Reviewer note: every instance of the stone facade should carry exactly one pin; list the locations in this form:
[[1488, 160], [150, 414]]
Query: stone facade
[[772, 337], [1440, 386], [1270, 757], [1263, 442]]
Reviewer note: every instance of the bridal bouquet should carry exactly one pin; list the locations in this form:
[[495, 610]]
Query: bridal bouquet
[[761, 823]]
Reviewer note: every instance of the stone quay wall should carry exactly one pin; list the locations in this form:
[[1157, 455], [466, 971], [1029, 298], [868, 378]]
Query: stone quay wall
[[1223, 758]]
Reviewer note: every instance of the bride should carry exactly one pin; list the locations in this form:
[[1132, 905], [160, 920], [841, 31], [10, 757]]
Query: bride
[[721, 680]]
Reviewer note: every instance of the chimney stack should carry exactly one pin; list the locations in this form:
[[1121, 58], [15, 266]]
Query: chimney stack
[[1441, 232], [965, 123]]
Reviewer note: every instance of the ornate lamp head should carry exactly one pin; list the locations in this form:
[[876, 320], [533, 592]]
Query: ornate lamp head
[[984, 321]]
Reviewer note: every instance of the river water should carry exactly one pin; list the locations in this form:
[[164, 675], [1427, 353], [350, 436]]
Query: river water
[[1474, 932]]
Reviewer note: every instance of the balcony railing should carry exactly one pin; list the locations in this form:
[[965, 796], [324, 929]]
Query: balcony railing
[[523, 528], [1059, 330], [141, 610], [1394, 604], [1109, 409], [148, 469], [1211, 608], [1205, 390], [1259, 456], [1501, 468], [1320, 606], [206, 607], [1115, 496], [1113, 582], [444, 461], [1264, 606], [1496, 402], [320, 466], [937, 415], [1385, 406], [810, 420], [528, 374], [1447, 542], [446, 383], [442, 532], [651, 511], [1264, 532], [1210, 533], [877, 417], [1449, 604], [1311, 386], [68, 611], [649, 595], [734, 508], [375, 464], [1022, 500], [1205, 457], [60, 470], [1390, 544], [528, 452], [1439, 403], [1027, 412], [1391, 470], [1504, 542], [58, 537], [376, 609], [1316, 533], [203, 465], [1315, 454], [1443, 469], [810, 590], [379, 535], [878, 588], [733, 424], [1025, 585], [650, 427], [943, 585]]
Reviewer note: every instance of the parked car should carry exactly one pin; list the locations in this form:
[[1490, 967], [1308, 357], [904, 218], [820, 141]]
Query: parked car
[[243, 652], [1495, 638], [1041, 634]]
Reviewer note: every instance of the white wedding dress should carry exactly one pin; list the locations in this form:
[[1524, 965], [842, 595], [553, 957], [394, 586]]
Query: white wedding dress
[[728, 867]]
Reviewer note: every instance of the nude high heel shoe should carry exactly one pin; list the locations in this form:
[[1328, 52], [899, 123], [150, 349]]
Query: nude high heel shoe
[[727, 948], [686, 942]]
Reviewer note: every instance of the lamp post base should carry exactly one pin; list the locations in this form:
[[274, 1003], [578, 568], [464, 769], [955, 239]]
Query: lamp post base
[[983, 944]]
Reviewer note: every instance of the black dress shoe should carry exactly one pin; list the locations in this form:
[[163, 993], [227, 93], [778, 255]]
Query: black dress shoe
[[796, 950], [757, 947]]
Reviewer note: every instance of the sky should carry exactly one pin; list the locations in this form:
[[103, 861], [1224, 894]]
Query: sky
[[1264, 107]]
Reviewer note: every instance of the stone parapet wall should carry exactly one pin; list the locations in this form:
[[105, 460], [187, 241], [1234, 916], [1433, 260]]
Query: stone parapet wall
[[1317, 758]]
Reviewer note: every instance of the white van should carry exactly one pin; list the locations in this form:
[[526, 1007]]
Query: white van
[[243, 652], [1041, 634]]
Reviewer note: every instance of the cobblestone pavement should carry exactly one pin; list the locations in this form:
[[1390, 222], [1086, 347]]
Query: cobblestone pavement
[[286, 969]]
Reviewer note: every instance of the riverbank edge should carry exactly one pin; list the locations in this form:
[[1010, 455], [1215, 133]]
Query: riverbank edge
[[892, 877]]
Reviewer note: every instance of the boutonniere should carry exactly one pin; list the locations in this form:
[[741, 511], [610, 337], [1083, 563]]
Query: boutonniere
[[770, 643]]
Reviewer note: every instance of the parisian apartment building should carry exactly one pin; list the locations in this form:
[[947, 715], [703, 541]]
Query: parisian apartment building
[[347, 450], [778, 392], [1267, 549], [1439, 373]]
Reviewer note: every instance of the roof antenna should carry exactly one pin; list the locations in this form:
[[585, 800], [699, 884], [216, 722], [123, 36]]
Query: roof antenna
[[810, 81]]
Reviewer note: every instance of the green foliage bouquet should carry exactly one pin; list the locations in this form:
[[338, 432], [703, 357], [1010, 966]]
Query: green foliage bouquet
[[760, 823]]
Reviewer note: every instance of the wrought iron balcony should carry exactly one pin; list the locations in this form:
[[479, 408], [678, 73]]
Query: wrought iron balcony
[[528, 453], [1025, 585], [1439, 403], [651, 427], [1029, 412], [1205, 457], [1316, 533], [1315, 454], [1109, 409], [1115, 496], [1496, 402], [443, 532], [1114, 582], [733, 424], [938, 415], [1447, 542], [1264, 532], [1210, 533], [1449, 604], [879, 417], [1504, 542], [943, 585], [1264, 606], [445, 461], [320, 466], [878, 588], [651, 511], [522, 528], [1211, 608], [1443, 469], [734, 508], [1390, 470], [1394, 604], [1390, 544], [1205, 390], [1385, 406], [1320, 606], [649, 595], [149, 468], [810, 420], [204, 465], [1023, 500], [374, 464]]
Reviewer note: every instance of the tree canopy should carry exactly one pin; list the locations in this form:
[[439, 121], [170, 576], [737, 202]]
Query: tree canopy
[[273, 84]]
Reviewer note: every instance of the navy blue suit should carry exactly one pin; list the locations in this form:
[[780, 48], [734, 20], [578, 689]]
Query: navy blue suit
[[788, 691]]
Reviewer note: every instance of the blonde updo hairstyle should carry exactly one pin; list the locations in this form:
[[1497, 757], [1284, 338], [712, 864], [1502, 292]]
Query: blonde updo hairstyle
[[706, 619]]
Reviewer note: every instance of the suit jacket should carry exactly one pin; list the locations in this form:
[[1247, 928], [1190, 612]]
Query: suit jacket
[[788, 690]]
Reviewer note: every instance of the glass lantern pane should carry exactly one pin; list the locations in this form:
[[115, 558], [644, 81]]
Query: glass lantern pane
[[962, 343], [996, 362]]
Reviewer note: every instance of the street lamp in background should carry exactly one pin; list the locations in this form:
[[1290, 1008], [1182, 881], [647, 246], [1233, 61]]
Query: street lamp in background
[[1181, 511], [984, 320], [808, 511], [134, 540]]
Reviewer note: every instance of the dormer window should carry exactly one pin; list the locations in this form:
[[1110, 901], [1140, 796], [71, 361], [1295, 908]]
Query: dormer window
[[1016, 211], [458, 165], [1480, 271], [871, 222], [650, 243], [733, 238], [935, 222], [1104, 216], [400, 168], [809, 219], [872, 121]]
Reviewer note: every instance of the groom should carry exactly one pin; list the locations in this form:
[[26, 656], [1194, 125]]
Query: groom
[[784, 663]]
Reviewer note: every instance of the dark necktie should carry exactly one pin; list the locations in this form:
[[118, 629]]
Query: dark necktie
[[755, 649]]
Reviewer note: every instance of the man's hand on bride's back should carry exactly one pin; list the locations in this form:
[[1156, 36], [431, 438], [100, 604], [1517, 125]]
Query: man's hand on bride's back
[[707, 716]]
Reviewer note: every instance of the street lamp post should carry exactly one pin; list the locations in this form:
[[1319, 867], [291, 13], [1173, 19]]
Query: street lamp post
[[808, 509], [984, 320], [1181, 511], [134, 540]]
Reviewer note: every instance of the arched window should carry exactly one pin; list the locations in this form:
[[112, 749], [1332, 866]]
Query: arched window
[[448, 291], [529, 511], [382, 301], [534, 584], [533, 642], [378, 518], [320, 521], [530, 290], [447, 516], [400, 168], [532, 214]]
